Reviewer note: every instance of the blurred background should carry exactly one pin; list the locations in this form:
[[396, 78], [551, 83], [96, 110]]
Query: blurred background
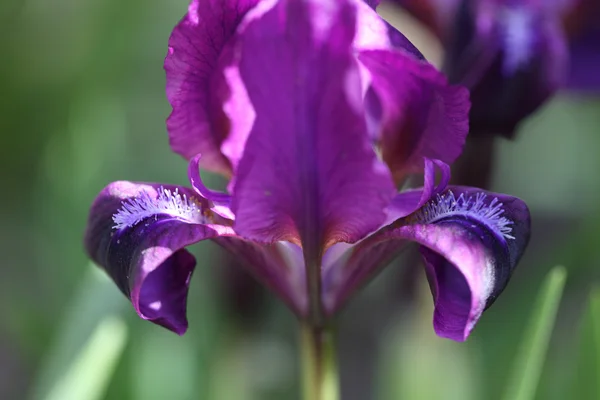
[[82, 103]]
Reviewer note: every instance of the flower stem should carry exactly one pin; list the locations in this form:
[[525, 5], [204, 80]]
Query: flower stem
[[475, 166], [313, 283], [319, 364]]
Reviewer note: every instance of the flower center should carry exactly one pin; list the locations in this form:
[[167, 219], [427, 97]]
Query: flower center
[[165, 202], [474, 207]]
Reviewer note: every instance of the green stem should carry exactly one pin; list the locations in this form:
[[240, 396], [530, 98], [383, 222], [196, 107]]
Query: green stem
[[313, 282], [319, 364]]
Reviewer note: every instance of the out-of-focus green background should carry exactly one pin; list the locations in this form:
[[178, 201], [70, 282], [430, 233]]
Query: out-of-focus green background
[[82, 103]]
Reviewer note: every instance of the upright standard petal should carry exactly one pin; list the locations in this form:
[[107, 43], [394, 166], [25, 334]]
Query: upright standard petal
[[309, 174], [471, 242], [196, 86], [137, 234], [373, 32], [423, 116]]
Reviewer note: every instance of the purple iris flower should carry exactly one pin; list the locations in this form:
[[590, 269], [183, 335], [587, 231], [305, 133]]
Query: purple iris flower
[[514, 54], [317, 110]]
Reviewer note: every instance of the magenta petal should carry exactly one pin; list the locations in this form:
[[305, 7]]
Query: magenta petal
[[341, 279], [144, 254], [308, 171], [195, 85], [423, 116], [279, 266], [470, 244], [470, 255], [198, 185], [374, 33], [409, 201], [146, 260]]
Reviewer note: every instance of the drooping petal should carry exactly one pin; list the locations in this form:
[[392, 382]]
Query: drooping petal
[[196, 86], [137, 233], [336, 274], [279, 266], [309, 173], [423, 116], [470, 240], [145, 255]]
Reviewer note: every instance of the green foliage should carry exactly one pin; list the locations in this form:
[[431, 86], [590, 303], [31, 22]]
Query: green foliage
[[585, 382], [89, 375], [87, 346], [530, 359]]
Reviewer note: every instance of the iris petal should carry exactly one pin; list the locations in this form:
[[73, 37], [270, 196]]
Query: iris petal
[[374, 33], [138, 233], [308, 173], [423, 116], [196, 86], [198, 185], [471, 242], [409, 201], [146, 258]]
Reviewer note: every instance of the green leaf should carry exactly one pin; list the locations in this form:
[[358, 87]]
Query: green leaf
[[585, 383], [530, 358], [595, 315], [165, 365], [90, 335], [88, 377]]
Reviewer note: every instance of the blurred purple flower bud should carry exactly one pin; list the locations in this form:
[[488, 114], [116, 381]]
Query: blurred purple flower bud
[[514, 54]]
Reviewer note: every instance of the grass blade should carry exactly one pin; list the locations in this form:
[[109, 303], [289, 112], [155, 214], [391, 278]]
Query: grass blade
[[584, 382], [89, 375], [92, 316], [530, 359], [595, 314]]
